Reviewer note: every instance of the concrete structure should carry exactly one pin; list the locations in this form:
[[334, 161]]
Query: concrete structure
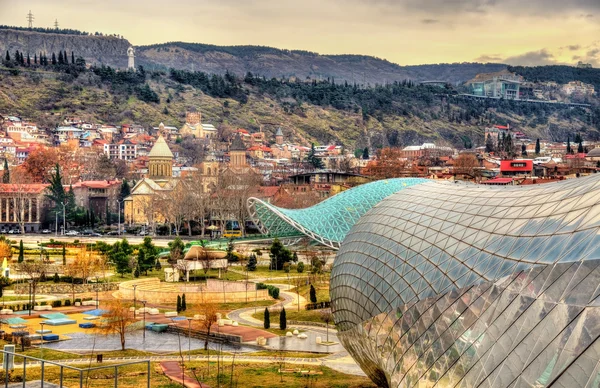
[[130, 58], [426, 151], [22, 205], [279, 136], [193, 127], [124, 150], [98, 196], [502, 84]]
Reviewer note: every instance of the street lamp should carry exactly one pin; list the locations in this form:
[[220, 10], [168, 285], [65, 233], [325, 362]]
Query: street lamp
[[134, 304], [30, 299], [189, 338], [42, 336], [144, 303], [97, 289], [119, 223], [64, 230]]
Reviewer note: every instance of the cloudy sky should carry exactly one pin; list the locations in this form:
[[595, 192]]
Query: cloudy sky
[[527, 32]]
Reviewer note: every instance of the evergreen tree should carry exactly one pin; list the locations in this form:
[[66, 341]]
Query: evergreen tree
[[365, 154], [313, 294], [61, 61], [35, 59], [183, 304], [125, 190], [580, 148], [148, 252], [295, 257], [92, 218], [119, 256], [313, 159], [64, 254], [178, 303], [6, 173], [17, 56], [28, 59], [282, 319], [65, 57], [72, 58], [251, 266], [279, 255], [157, 266], [53, 59], [136, 272], [7, 58], [523, 150], [569, 150], [489, 144], [537, 147], [21, 252], [267, 319]]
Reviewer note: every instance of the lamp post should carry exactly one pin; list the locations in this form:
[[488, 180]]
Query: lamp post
[[134, 304], [189, 339], [64, 230], [119, 223], [97, 289], [144, 332], [42, 335], [30, 299]]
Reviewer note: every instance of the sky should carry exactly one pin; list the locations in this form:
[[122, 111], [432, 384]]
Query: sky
[[407, 32]]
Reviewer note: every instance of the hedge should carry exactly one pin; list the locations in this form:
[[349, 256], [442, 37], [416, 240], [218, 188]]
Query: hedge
[[273, 291]]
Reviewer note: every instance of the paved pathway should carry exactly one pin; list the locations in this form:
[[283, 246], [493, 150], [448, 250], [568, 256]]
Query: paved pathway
[[172, 370]]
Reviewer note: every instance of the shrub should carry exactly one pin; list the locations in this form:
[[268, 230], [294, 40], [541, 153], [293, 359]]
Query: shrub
[[44, 303], [282, 319], [275, 293], [56, 278], [56, 303], [68, 302], [77, 300], [267, 319], [300, 267]]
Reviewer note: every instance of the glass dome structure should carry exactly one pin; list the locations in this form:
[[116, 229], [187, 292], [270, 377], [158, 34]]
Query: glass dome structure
[[329, 221], [463, 285]]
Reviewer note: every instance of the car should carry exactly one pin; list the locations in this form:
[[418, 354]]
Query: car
[[94, 234], [72, 233], [46, 231], [143, 233], [14, 231], [113, 233]]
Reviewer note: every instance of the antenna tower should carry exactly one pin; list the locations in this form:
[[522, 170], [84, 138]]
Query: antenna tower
[[56, 23], [30, 19]]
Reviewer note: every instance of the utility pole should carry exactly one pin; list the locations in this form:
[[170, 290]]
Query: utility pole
[[30, 19], [56, 23]]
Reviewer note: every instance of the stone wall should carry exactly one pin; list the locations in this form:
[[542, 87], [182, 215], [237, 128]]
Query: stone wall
[[213, 285], [155, 291], [63, 288]]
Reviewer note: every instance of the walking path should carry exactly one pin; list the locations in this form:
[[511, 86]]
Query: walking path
[[172, 370]]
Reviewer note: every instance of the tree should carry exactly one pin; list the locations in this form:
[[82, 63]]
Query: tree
[[6, 173], [208, 313], [7, 58], [176, 248], [72, 58], [267, 319], [580, 148], [34, 270], [313, 294], [179, 309], [136, 272], [119, 256], [147, 255], [569, 150], [40, 164], [326, 317], [279, 255], [61, 60], [365, 153], [21, 252], [537, 147], [117, 320], [64, 254], [466, 164], [282, 319], [183, 304], [523, 150], [53, 59], [125, 190], [300, 267], [313, 159], [251, 266], [489, 144]]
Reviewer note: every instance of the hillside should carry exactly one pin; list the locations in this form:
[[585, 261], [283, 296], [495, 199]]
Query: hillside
[[399, 114], [263, 61]]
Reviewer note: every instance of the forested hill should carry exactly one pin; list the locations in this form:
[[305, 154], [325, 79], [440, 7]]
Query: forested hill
[[278, 63], [559, 74]]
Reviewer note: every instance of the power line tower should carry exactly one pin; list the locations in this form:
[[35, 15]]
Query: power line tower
[[30, 19], [56, 23]]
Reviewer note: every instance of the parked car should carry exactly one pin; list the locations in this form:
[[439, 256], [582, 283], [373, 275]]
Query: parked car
[[94, 234], [72, 233], [143, 233], [14, 231], [46, 231]]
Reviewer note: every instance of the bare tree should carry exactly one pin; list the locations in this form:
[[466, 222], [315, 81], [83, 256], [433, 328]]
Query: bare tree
[[117, 320], [208, 316], [35, 270], [326, 317]]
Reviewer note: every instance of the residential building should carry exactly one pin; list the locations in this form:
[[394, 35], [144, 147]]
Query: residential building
[[98, 196], [578, 87]]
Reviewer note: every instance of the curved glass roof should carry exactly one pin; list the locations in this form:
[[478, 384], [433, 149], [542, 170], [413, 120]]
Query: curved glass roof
[[329, 221]]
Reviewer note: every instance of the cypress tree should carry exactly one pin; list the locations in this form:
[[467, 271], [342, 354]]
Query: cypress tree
[[64, 254], [178, 303], [21, 252], [267, 319], [580, 148], [157, 266], [523, 150], [53, 59], [183, 304], [7, 56], [6, 174], [282, 319], [22, 59], [65, 57], [72, 58], [569, 150], [313, 294], [537, 147], [35, 59], [17, 57], [136, 272], [60, 58], [28, 59]]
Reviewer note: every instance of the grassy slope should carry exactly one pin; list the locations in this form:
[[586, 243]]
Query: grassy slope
[[44, 98]]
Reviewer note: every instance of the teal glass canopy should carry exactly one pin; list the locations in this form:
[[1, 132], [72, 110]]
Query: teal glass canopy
[[327, 222]]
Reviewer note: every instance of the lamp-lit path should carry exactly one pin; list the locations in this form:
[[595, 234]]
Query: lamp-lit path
[[172, 370]]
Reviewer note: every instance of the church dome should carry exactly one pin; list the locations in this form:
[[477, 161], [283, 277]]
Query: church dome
[[160, 149]]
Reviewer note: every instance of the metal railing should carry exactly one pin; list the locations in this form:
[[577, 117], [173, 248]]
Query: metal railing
[[33, 361]]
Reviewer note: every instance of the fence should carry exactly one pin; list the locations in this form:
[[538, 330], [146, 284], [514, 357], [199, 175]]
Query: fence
[[8, 359]]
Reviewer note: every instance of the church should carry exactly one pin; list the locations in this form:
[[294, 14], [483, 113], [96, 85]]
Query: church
[[141, 206], [193, 127]]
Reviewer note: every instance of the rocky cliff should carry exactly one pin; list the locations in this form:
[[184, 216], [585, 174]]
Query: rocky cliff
[[95, 49]]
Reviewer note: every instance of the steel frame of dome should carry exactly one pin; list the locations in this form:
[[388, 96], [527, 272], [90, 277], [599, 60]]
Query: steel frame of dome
[[464, 285], [329, 221]]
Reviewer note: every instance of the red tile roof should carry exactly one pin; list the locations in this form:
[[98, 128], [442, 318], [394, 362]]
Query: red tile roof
[[498, 181], [31, 188]]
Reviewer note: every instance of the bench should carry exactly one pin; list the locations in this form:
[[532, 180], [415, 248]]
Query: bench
[[46, 331], [50, 337], [153, 312], [171, 314], [87, 325], [6, 311], [91, 318], [42, 308], [88, 303]]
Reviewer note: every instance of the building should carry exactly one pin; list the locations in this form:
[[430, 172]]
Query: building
[[578, 87], [141, 207], [581, 65], [123, 150], [99, 197], [425, 151], [21, 206], [516, 167], [193, 127], [279, 136], [503, 84], [446, 284]]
